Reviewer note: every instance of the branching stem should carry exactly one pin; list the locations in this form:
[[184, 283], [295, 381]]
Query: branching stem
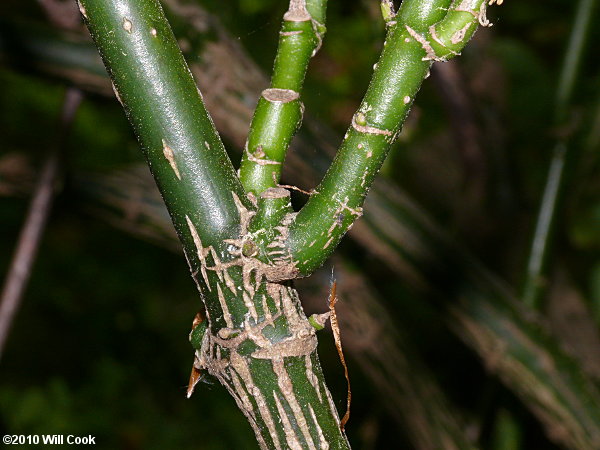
[[418, 34], [279, 111]]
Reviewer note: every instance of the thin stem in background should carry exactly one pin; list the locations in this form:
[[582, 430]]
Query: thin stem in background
[[535, 284], [35, 222], [573, 56]]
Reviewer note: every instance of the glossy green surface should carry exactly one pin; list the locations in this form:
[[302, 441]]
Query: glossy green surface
[[397, 77], [450, 35], [209, 209], [275, 122], [165, 109]]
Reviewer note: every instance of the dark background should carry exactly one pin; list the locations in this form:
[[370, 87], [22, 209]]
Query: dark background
[[100, 344]]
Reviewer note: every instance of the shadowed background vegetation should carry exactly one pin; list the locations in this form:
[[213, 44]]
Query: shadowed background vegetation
[[99, 345]]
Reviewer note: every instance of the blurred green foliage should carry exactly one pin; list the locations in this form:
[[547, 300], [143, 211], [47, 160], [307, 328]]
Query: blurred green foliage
[[100, 344]]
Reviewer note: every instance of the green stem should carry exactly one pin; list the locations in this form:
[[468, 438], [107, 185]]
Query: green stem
[[476, 305], [418, 34], [535, 282], [401, 236], [258, 342], [164, 106], [279, 111]]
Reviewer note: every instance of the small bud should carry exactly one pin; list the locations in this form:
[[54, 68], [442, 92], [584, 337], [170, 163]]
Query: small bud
[[361, 119], [317, 321], [387, 10], [249, 249], [197, 333]]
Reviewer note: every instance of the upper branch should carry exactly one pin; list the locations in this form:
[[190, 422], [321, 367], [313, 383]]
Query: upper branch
[[420, 33], [279, 111], [161, 100]]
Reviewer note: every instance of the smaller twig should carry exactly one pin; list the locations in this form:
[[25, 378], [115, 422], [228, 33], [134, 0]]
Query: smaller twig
[[421, 35], [33, 228], [279, 111], [296, 188], [293, 188], [335, 327]]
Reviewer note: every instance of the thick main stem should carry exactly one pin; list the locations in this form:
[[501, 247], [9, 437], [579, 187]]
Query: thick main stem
[[258, 342], [159, 95], [261, 346]]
